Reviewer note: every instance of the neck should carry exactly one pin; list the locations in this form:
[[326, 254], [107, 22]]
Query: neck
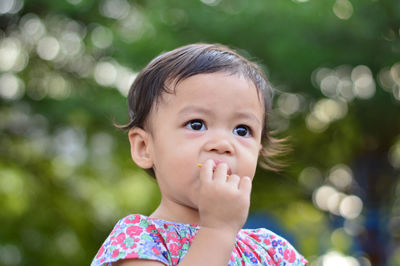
[[175, 212]]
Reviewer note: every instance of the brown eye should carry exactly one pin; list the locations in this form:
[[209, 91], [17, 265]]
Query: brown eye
[[242, 131], [195, 125]]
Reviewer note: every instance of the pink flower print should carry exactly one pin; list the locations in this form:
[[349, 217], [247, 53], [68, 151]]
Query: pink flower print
[[185, 240], [101, 251], [132, 255], [115, 253], [119, 239], [156, 251], [134, 230], [291, 256], [174, 261], [286, 254], [150, 228], [172, 236], [267, 241], [129, 219], [256, 238], [174, 249], [271, 252]]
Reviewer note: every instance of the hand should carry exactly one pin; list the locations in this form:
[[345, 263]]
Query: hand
[[223, 200]]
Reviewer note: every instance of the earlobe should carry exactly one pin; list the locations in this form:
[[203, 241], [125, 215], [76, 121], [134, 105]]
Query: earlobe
[[140, 147]]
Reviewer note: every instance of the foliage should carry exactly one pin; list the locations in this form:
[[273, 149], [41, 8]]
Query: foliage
[[65, 68]]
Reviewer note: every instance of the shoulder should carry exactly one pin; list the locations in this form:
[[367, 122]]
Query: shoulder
[[133, 237], [274, 247]]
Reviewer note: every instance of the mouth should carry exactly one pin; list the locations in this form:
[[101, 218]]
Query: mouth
[[229, 172]]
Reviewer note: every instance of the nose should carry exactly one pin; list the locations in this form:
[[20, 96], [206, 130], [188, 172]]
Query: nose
[[220, 143]]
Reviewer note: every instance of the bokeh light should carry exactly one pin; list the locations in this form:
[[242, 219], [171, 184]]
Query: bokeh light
[[343, 9], [48, 48]]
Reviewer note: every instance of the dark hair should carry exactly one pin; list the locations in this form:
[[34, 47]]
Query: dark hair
[[186, 61]]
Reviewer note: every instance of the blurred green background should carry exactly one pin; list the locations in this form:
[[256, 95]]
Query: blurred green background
[[65, 68]]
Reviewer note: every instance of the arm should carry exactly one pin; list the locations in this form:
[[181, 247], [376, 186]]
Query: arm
[[223, 207]]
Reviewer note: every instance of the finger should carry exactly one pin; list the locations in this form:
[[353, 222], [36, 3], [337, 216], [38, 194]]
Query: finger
[[221, 172], [245, 184], [233, 180], [206, 170]]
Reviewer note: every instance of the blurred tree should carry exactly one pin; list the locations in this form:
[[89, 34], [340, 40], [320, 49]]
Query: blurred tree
[[65, 68]]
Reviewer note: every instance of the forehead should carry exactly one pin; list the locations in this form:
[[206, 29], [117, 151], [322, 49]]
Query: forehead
[[213, 83], [212, 90]]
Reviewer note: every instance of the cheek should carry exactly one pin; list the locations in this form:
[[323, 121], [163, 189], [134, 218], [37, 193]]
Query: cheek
[[250, 144], [192, 134]]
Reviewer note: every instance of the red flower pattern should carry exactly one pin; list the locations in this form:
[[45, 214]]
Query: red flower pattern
[[141, 237]]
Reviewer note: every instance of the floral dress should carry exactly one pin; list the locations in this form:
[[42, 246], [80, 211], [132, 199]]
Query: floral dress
[[141, 237]]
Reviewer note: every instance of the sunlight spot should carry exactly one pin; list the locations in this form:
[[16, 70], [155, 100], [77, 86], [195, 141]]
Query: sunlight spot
[[395, 73], [364, 84], [343, 9], [322, 195], [116, 9], [334, 258], [48, 48], [125, 78], [102, 37], [32, 28], [364, 87], [10, 6], [10, 255], [58, 87], [314, 124], [385, 79], [319, 74], [394, 155], [211, 2], [396, 93], [341, 176], [345, 89], [10, 49], [329, 85], [105, 73], [351, 207], [333, 202], [310, 178], [133, 27], [277, 122], [289, 104], [71, 43], [328, 110], [74, 2], [11, 87]]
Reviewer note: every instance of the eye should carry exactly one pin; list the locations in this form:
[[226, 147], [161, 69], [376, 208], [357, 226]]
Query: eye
[[195, 125], [242, 131]]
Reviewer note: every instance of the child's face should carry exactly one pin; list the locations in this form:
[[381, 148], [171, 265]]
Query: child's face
[[214, 116]]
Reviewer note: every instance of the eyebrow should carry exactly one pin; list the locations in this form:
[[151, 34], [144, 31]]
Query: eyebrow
[[200, 109], [195, 109]]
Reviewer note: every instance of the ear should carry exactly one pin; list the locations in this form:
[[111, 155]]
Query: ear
[[140, 147]]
